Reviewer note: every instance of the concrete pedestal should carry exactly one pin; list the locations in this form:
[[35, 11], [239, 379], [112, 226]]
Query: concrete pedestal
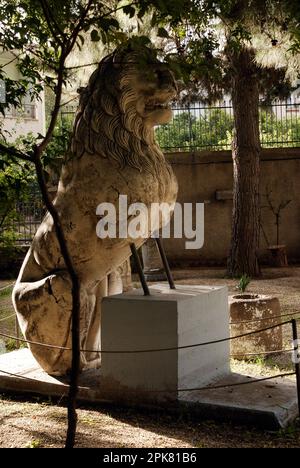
[[166, 319]]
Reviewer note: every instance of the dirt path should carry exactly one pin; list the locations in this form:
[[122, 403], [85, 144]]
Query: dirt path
[[38, 424]]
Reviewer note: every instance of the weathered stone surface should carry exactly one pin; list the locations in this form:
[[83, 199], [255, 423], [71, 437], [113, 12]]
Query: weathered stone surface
[[165, 319], [260, 312], [113, 152]]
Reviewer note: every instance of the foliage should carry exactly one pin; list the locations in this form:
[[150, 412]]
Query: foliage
[[45, 32], [17, 180], [35, 443], [243, 283], [12, 345], [204, 35], [57, 147], [213, 128]]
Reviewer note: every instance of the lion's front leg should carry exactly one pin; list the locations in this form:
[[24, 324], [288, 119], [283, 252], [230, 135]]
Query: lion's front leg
[[108, 287], [44, 310]]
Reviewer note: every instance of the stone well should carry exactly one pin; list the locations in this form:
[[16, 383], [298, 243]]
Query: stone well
[[262, 310]]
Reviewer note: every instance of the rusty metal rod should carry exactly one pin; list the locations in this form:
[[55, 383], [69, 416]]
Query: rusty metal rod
[[297, 359], [165, 262], [139, 270], [17, 331]]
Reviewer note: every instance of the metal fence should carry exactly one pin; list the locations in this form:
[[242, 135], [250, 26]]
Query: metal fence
[[25, 220], [201, 127], [29, 215]]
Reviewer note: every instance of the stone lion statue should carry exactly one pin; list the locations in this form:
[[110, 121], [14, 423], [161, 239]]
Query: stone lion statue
[[113, 151]]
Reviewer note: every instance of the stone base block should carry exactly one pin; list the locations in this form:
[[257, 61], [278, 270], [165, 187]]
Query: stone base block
[[165, 320]]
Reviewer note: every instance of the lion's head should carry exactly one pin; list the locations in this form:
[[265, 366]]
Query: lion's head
[[126, 97]]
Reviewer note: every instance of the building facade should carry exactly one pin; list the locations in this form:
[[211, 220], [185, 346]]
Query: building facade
[[28, 119]]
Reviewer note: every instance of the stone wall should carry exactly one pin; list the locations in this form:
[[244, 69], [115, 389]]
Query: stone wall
[[200, 176], [207, 176]]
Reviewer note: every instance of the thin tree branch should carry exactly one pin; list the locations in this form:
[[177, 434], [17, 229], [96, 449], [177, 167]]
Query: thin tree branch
[[76, 67], [73, 389], [49, 20], [73, 38], [78, 28], [56, 108], [39, 149], [15, 153], [4, 217], [68, 102], [58, 28], [16, 56]]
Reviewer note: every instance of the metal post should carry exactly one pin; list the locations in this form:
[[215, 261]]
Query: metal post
[[140, 269], [297, 361], [17, 331], [165, 262]]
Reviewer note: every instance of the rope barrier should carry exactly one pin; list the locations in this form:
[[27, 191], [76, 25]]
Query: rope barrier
[[11, 374], [181, 390], [266, 353], [231, 323], [7, 317], [217, 387], [142, 351], [7, 286], [263, 319]]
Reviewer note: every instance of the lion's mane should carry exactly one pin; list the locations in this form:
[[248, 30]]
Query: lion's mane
[[107, 123]]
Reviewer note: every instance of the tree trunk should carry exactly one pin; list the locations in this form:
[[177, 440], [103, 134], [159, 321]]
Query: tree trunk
[[246, 166]]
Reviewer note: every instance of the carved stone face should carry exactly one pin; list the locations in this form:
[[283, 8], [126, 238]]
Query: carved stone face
[[127, 96], [155, 91]]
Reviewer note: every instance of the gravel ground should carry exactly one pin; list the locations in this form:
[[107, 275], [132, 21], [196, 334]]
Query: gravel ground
[[38, 424]]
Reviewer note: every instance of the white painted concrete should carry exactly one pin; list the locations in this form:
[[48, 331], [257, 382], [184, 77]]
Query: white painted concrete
[[166, 319]]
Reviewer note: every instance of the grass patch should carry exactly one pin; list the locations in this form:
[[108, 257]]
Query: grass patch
[[7, 292], [36, 443]]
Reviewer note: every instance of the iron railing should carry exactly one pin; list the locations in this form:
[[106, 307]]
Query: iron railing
[[201, 127], [24, 221]]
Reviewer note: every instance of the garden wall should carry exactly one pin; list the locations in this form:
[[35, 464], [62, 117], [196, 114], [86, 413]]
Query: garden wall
[[201, 175]]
